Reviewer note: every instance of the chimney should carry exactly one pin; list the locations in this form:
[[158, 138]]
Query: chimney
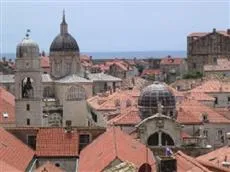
[[166, 164], [228, 31]]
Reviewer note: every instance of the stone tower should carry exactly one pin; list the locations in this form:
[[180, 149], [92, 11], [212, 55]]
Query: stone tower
[[64, 53], [28, 84]]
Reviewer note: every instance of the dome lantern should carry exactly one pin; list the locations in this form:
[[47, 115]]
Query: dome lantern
[[64, 42]]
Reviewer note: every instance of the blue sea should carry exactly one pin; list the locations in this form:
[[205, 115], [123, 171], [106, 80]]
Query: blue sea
[[126, 55]]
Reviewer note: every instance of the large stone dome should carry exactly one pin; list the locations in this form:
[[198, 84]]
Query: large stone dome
[[153, 95], [64, 42], [27, 48]]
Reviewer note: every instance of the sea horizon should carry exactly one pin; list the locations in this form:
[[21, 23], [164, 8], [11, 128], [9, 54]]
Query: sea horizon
[[122, 54]]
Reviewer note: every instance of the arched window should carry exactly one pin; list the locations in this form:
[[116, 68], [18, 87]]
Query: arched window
[[76, 93], [27, 88], [166, 140], [48, 92], [153, 140]]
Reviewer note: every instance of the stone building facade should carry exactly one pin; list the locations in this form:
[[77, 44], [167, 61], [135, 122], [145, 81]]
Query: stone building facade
[[206, 47], [58, 98]]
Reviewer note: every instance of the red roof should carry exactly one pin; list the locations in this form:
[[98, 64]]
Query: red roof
[[191, 112], [49, 167], [7, 107], [213, 86], [169, 61], [216, 157], [56, 142], [150, 72], [13, 152], [128, 116], [113, 144], [186, 163], [45, 62]]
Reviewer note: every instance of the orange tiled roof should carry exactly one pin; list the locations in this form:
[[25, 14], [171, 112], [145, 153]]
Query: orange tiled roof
[[216, 157], [56, 142], [45, 62], [169, 61], [104, 103], [13, 152], [186, 163], [49, 167], [114, 144], [128, 116], [7, 105], [200, 96], [191, 112], [213, 86], [150, 72]]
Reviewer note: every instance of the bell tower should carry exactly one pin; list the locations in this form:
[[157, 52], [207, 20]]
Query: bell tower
[[28, 84]]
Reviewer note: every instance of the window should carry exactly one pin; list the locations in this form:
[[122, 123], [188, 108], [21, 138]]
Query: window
[[76, 93], [94, 116], [216, 100], [83, 141], [205, 133], [28, 107], [194, 65], [32, 141], [28, 121], [57, 164]]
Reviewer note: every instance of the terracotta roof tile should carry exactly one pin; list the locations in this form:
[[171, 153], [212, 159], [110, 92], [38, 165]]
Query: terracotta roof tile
[[128, 116], [56, 142], [200, 96], [213, 86], [45, 62], [150, 72], [186, 163], [113, 144], [13, 152], [191, 112], [7, 107], [171, 60], [216, 157], [105, 103], [49, 167]]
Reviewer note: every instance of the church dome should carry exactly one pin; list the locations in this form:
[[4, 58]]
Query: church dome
[[27, 48], [64, 42], [153, 95]]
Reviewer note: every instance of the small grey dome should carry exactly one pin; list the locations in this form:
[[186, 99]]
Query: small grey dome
[[27, 48], [64, 42]]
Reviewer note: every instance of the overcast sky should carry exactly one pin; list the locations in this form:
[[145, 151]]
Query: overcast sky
[[112, 25]]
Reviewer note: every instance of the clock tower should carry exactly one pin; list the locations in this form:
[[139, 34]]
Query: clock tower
[[28, 84]]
